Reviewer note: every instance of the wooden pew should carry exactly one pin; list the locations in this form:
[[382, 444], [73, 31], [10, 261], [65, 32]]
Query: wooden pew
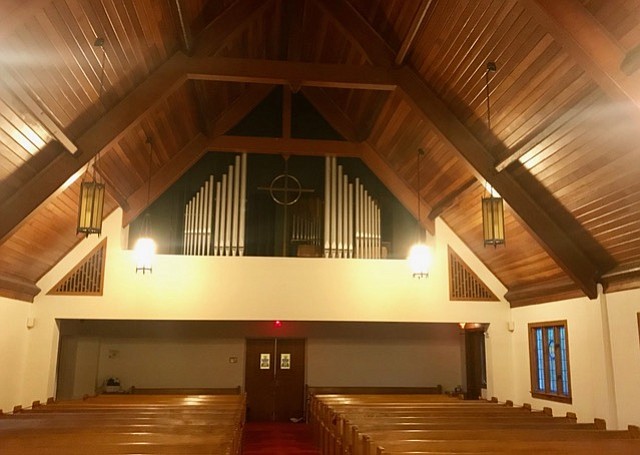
[[119, 424]]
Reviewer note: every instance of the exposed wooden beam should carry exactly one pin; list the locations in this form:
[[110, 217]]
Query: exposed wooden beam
[[286, 112], [253, 95], [587, 41], [289, 73], [359, 31], [332, 113], [406, 194], [18, 288], [165, 176], [277, 146], [449, 199], [228, 24], [409, 38], [558, 244], [548, 291]]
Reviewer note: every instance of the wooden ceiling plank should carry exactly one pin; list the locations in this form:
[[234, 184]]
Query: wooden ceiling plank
[[332, 113], [449, 199], [10, 83], [404, 192], [245, 103], [359, 31], [416, 23], [560, 246], [183, 29], [231, 22], [586, 40], [289, 73]]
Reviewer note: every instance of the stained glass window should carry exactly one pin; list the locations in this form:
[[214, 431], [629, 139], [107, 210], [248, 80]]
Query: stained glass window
[[550, 361]]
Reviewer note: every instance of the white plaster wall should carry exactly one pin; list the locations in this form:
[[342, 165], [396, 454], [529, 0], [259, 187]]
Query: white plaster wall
[[586, 358], [623, 310], [172, 363], [255, 288], [13, 351], [401, 363]]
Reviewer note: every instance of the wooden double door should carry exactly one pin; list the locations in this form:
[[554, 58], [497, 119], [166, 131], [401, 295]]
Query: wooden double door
[[274, 379]]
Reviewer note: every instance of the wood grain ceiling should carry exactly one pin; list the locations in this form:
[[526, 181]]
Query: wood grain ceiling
[[391, 76]]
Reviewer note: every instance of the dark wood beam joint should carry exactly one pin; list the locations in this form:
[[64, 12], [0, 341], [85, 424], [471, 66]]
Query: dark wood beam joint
[[549, 291]]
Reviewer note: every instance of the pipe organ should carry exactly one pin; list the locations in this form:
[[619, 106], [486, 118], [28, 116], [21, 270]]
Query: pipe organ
[[214, 219], [351, 217]]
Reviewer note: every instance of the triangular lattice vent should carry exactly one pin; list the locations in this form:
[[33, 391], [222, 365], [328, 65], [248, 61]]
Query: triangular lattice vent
[[87, 277], [464, 284]]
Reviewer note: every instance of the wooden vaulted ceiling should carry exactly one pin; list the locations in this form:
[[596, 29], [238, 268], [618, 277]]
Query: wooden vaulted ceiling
[[391, 76]]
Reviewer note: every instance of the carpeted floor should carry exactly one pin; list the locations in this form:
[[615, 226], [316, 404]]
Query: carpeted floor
[[275, 438]]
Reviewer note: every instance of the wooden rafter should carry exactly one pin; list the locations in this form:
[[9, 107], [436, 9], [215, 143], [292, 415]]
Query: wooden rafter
[[558, 244], [286, 112], [18, 288], [291, 146], [289, 73], [586, 40], [113, 189]]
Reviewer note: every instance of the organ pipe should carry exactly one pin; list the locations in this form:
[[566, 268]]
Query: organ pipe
[[215, 216], [352, 216]]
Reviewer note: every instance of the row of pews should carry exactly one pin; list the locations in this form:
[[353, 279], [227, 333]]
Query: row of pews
[[439, 424], [127, 424]]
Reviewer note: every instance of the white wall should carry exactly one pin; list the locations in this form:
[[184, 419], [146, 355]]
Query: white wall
[[255, 288], [586, 358], [623, 310], [13, 351]]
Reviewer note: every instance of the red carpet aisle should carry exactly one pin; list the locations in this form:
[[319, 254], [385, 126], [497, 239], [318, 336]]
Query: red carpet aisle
[[275, 438]]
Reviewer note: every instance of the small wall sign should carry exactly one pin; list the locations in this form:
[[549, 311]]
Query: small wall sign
[[285, 361], [265, 361]]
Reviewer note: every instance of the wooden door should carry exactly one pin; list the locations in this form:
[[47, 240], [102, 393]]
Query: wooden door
[[475, 363], [274, 379]]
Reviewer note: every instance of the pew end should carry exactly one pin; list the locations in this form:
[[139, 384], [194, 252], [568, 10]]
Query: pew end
[[600, 424]]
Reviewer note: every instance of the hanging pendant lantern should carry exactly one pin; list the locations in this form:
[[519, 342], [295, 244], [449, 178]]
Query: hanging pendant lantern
[[90, 208], [492, 206], [493, 220]]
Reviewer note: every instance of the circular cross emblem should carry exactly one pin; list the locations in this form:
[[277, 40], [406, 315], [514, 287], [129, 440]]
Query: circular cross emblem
[[280, 191]]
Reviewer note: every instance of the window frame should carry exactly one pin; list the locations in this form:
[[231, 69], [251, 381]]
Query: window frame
[[547, 393]]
